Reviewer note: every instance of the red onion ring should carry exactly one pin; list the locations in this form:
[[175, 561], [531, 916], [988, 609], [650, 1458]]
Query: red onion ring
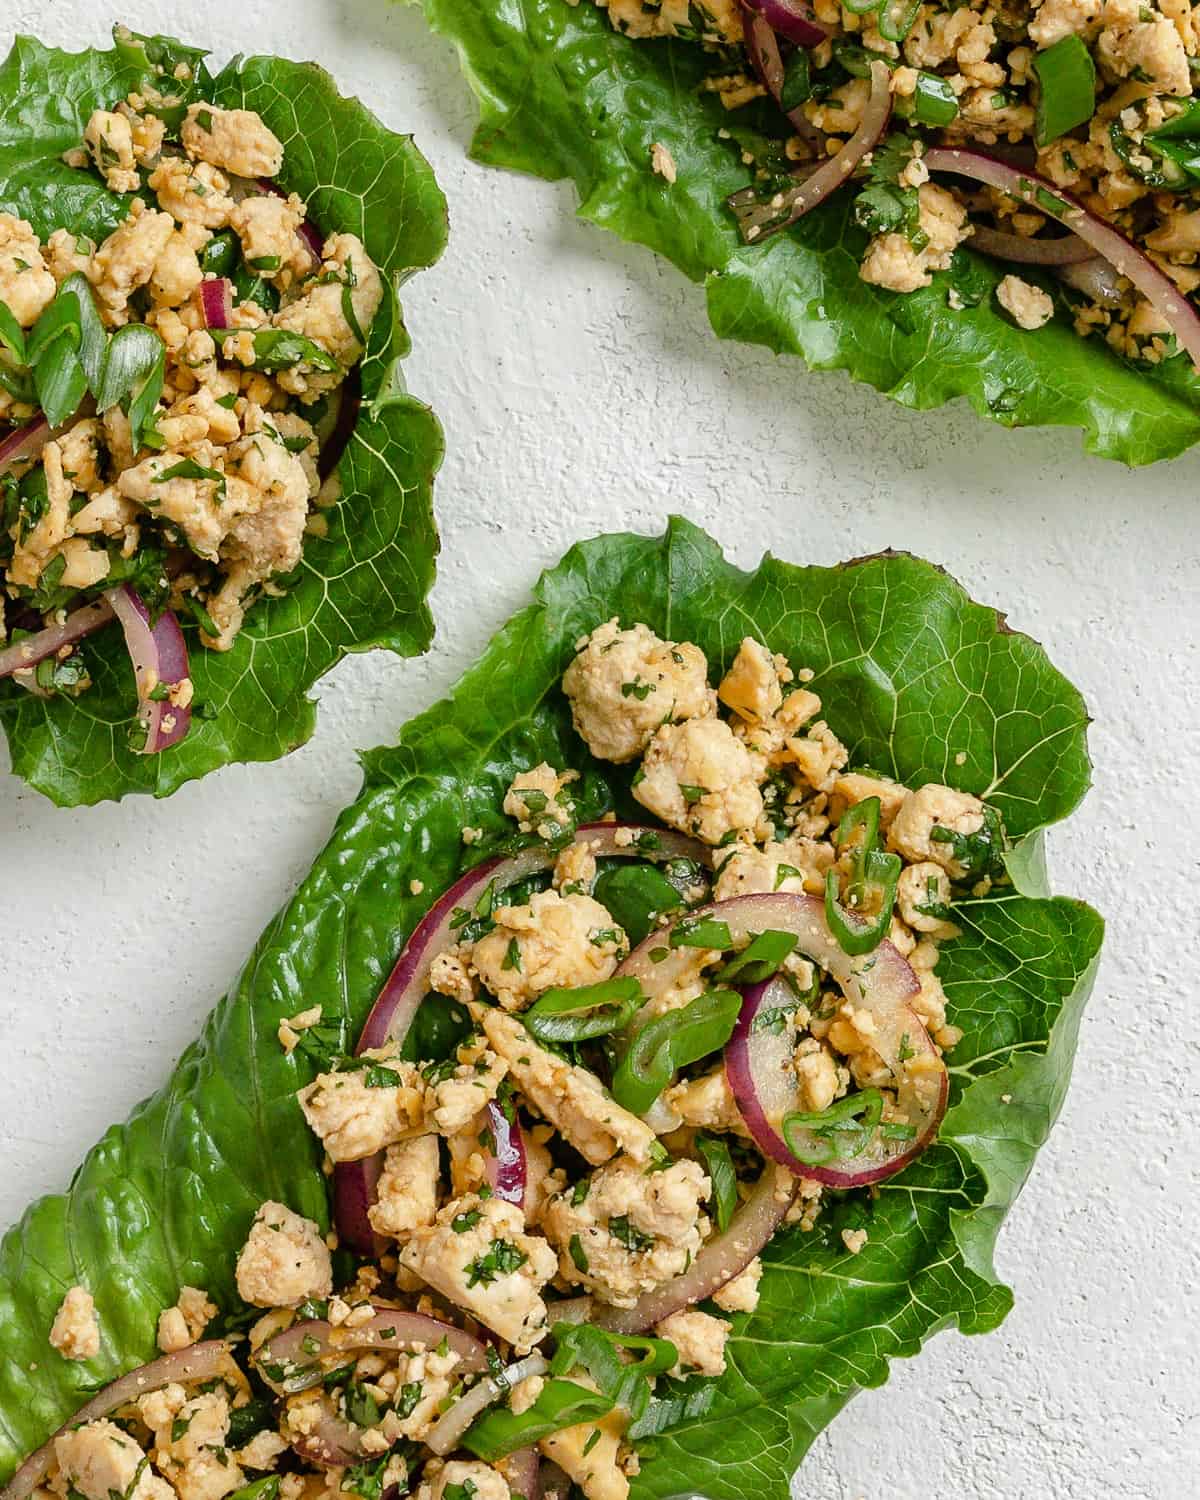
[[340, 430], [506, 1165], [723, 1257], [408, 983], [22, 443], [1106, 240], [199, 1362], [332, 1444], [24, 655], [216, 302], [522, 1470], [758, 221], [1067, 250], [446, 1433], [159, 656], [391, 1329], [762, 48], [757, 1065], [793, 19], [1096, 279]]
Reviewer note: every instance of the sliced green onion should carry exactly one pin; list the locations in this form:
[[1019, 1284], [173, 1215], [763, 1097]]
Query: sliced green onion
[[561, 1403], [671, 1042], [220, 255], [604, 1356], [280, 349], [1067, 88], [719, 1163], [932, 102], [591, 1010], [12, 335], [896, 18], [759, 960]]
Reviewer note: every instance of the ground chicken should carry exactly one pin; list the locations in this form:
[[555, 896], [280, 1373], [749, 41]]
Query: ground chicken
[[699, 1340], [76, 1332], [627, 1230], [477, 1254], [741, 1294], [26, 287], [99, 1460], [234, 139], [624, 684], [459, 1473], [1028, 306], [891, 262], [451, 1103], [568, 1096], [700, 778], [407, 1193], [538, 797], [109, 140], [284, 1261], [555, 941], [934, 806], [751, 687], [360, 1111]]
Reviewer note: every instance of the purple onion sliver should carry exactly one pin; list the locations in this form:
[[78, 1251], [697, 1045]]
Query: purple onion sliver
[[26, 653], [506, 1167]]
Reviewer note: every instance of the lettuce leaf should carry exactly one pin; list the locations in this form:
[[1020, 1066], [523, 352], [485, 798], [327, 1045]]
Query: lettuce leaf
[[365, 583], [920, 682], [561, 94]]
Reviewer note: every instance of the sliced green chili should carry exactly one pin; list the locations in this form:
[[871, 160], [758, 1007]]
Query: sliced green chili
[[591, 1010], [1067, 88], [896, 18], [760, 960], [841, 1132], [932, 101], [671, 1042], [562, 1403]]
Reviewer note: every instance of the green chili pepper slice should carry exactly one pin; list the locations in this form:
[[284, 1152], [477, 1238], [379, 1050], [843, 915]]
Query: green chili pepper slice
[[1067, 88], [671, 1042]]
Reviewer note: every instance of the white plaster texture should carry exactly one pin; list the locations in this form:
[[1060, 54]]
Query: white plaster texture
[[581, 391]]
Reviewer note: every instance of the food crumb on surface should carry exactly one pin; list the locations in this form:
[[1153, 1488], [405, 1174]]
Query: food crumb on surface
[[471, 835], [76, 1330], [854, 1239], [415, 887], [289, 1030], [662, 162]]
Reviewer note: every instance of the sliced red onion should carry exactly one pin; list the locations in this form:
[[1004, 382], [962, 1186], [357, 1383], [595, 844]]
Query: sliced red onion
[[1096, 279], [522, 1470], [723, 1257], [334, 436], [1066, 250], [332, 1444], [291, 1361], [762, 48], [23, 443], [25, 654], [880, 982], [505, 1164], [199, 1362], [793, 19], [408, 984], [555, 1483], [759, 1067], [759, 220], [216, 302], [159, 656], [1106, 240], [446, 1433]]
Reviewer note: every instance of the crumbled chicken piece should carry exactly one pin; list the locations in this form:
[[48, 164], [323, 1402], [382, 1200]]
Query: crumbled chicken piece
[[741, 1294], [284, 1261], [700, 778], [699, 1340], [554, 942], [627, 1229], [269, 229], [234, 139], [192, 192], [26, 287], [477, 1254], [453, 1102], [892, 263], [1028, 306], [705, 1103], [751, 687], [796, 864], [126, 259], [567, 1095], [623, 684], [923, 892], [662, 163], [816, 1075], [575, 869], [319, 312], [926, 810], [76, 1331], [456, 1475], [109, 140], [1149, 51], [407, 1194], [358, 1112], [853, 787], [538, 797], [1055, 19], [180, 1326], [99, 1460], [263, 1452], [449, 975]]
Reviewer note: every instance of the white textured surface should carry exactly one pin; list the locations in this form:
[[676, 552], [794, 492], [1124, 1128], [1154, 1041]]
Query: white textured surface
[[581, 391]]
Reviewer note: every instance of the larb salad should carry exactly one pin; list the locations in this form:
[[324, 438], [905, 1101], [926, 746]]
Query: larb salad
[[176, 398], [672, 1039]]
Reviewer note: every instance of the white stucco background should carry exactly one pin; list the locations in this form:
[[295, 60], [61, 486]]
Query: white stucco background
[[581, 391]]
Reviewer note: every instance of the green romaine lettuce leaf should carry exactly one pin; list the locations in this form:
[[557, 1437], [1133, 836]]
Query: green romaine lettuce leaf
[[364, 584], [913, 676], [561, 94]]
